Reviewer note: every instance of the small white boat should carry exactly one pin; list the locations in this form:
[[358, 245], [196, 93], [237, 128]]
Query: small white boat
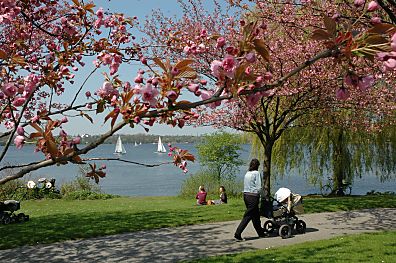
[[136, 144], [119, 148], [160, 146]]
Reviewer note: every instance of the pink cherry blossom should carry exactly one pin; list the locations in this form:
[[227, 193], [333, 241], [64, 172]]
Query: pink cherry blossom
[[77, 140], [390, 64], [393, 42], [193, 87], [19, 141], [372, 6], [205, 94], [359, 2], [149, 94], [175, 71], [138, 79], [375, 20], [107, 90], [18, 102], [143, 60], [64, 119], [20, 131], [268, 76], [220, 42], [171, 95], [215, 67], [9, 89], [229, 63]]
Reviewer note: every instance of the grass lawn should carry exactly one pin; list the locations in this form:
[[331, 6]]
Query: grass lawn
[[58, 220], [373, 247]]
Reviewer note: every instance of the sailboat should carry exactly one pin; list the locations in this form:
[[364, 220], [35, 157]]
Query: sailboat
[[136, 144], [119, 149], [160, 147]]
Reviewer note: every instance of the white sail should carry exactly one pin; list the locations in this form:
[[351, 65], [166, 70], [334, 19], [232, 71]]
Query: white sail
[[119, 149], [160, 147], [136, 144]]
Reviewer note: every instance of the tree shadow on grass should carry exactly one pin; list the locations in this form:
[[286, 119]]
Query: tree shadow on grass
[[160, 245], [374, 219]]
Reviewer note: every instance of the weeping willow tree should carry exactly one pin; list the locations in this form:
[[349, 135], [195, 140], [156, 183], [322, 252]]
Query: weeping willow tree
[[340, 153]]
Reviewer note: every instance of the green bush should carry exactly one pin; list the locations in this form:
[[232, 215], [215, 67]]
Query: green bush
[[206, 177], [8, 190], [81, 183], [17, 189], [87, 195], [82, 188]]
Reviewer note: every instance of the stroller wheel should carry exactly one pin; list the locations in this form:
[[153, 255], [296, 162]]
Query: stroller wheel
[[269, 226], [301, 227], [285, 231]]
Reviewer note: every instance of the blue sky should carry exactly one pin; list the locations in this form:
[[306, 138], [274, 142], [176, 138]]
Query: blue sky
[[139, 8]]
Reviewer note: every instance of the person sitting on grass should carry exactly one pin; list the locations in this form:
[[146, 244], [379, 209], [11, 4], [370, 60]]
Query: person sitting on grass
[[201, 196], [223, 197]]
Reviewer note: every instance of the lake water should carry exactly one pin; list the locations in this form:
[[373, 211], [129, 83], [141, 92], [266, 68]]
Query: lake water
[[166, 180]]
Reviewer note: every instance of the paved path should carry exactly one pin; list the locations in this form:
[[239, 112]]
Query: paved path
[[191, 242]]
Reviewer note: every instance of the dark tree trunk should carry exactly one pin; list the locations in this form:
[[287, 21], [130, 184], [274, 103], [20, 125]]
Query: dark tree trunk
[[267, 169], [338, 173]]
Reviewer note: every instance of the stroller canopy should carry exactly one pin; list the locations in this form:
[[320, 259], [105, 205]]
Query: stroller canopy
[[282, 194]]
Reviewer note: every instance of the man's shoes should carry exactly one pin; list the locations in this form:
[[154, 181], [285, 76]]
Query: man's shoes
[[238, 237]]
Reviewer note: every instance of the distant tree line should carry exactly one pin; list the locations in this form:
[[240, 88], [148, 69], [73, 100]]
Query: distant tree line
[[141, 138], [145, 138]]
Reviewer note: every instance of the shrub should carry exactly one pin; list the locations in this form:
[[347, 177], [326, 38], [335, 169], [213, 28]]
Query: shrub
[[190, 186], [18, 190], [82, 188], [87, 195], [81, 183], [8, 190]]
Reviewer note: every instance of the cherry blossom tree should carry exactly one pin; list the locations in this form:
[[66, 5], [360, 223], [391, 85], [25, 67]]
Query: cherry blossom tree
[[273, 52], [313, 57]]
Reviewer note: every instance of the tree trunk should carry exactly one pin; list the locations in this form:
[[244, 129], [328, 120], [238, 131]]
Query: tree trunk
[[338, 167], [267, 169]]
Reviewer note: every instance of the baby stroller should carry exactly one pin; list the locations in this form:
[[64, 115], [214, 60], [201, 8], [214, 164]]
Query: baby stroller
[[283, 212], [7, 215]]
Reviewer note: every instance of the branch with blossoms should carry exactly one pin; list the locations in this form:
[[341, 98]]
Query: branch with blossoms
[[236, 55]]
